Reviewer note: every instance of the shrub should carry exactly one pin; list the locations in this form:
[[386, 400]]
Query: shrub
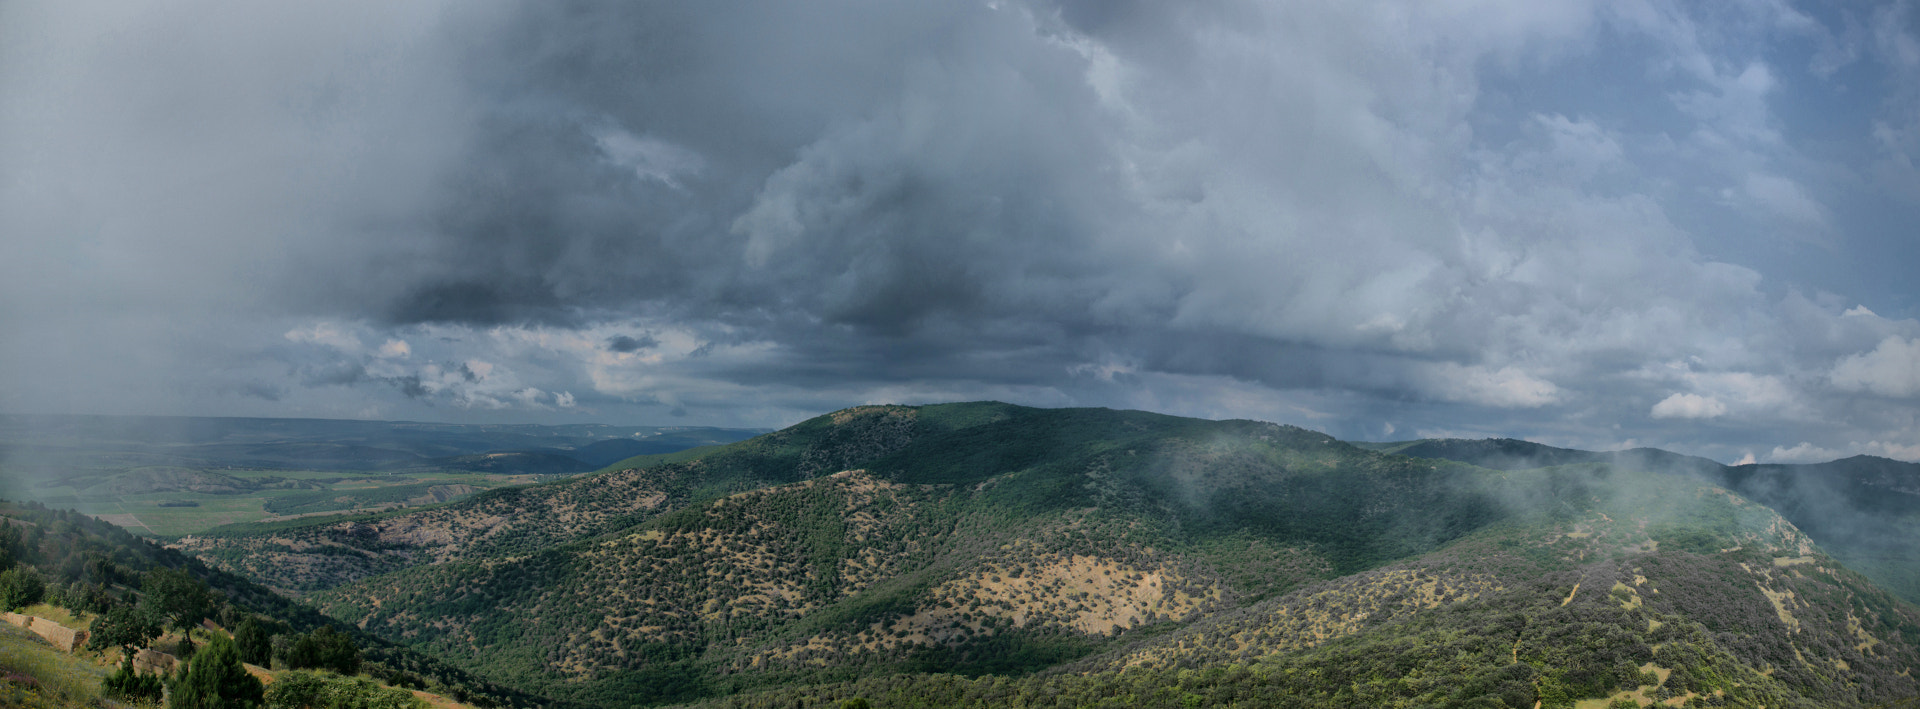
[[129, 685], [311, 690], [322, 649], [20, 586], [214, 679]]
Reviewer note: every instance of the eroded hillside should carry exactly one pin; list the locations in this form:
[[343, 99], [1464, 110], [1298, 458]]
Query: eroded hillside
[[1679, 595]]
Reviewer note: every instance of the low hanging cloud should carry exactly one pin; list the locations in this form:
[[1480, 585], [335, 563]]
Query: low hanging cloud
[[1373, 216]]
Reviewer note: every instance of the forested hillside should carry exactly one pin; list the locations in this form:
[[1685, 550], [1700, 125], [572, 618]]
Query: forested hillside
[[84, 563], [1864, 510], [975, 552]]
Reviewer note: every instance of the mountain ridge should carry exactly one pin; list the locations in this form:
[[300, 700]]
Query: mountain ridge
[[1864, 509]]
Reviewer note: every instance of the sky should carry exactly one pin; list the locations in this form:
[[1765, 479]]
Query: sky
[[1590, 224]]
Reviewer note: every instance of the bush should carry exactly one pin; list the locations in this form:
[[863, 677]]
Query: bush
[[126, 684], [20, 586], [323, 649], [310, 690], [255, 645], [214, 679]]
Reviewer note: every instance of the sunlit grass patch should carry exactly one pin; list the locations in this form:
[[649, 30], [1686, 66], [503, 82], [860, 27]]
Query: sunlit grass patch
[[58, 679]]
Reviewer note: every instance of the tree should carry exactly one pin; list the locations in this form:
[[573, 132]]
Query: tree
[[124, 627], [20, 586], [9, 538], [326, 649], [175, 599], [337, 651], [256, 645], [215, 679]]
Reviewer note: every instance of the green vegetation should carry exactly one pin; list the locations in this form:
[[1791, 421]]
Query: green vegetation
[[123, 627], [318, 690], [129, 685], [1069, 554], [34, 674], [1863, 510], [20, 587], [172, 597], [993, 555], [169, 477], [214, 679], [121, 586], [323, 649]]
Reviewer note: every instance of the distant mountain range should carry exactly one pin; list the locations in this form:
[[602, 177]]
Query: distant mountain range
[[60, 447], [985, 554]]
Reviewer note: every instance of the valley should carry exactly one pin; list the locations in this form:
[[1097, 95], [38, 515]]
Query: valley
[[167, 477]]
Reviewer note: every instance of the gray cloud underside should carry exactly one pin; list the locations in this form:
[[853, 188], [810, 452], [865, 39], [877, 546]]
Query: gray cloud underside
[[1380, 219]]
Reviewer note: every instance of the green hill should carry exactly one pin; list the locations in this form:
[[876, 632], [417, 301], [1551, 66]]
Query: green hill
[[1864, 510], [986, 553], [67, 550]]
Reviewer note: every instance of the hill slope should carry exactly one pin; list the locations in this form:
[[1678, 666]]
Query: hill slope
[[896, 546], [69, 550], [1864, 510]]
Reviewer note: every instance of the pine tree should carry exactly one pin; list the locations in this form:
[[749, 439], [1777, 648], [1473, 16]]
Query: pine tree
[[256, 645], [215, 679]]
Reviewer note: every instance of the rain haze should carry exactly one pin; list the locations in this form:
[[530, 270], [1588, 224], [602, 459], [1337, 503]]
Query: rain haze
[[1595, 225]]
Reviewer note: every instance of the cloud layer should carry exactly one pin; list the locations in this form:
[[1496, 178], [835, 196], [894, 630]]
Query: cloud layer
[[1590, 224]]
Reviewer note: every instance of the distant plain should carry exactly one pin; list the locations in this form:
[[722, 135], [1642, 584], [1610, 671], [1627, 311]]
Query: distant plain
[[169, 477]]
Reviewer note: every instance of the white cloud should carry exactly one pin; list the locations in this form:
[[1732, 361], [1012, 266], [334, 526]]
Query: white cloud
[[1784, 198], [395, 349], [329, 334], [1891, 369], [1688, 406], [1809, 453], [1803, 453], [1507, 387], [1896, 451]]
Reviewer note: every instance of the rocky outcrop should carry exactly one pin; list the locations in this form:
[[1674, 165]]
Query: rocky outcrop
[[154, 661]]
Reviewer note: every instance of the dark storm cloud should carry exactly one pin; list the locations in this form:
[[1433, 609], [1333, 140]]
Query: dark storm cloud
[[1360, 216], [628, 343], [642, 153], [333, 374]]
